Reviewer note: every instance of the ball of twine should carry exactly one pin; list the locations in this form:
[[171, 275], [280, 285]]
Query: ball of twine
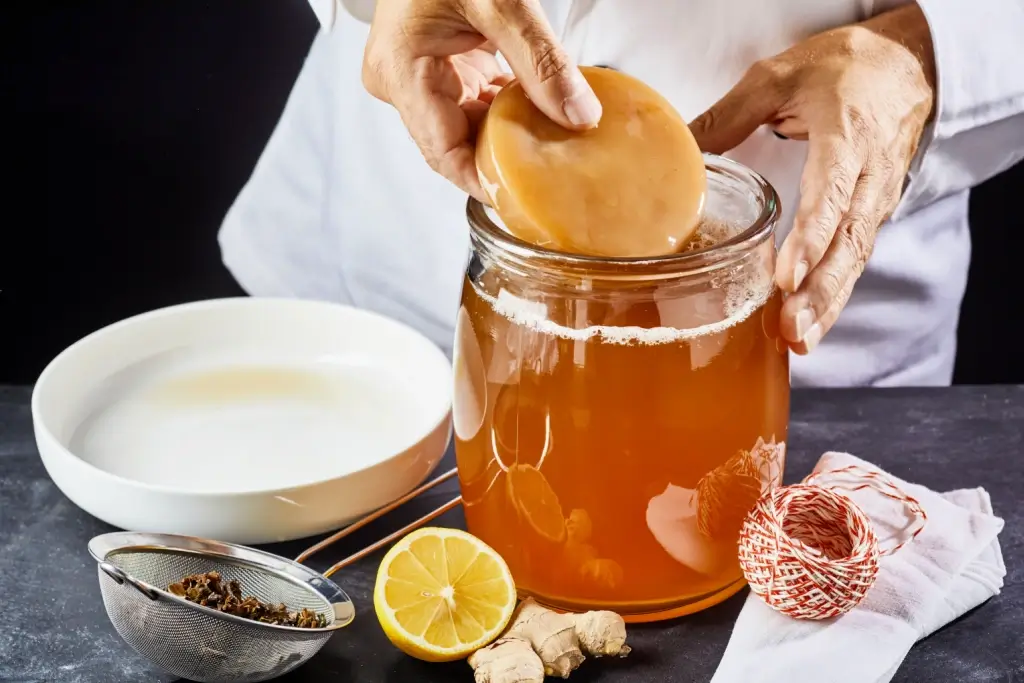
[[810, 552]]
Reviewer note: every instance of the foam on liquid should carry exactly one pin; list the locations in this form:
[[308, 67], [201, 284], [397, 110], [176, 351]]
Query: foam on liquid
[[742, 298]]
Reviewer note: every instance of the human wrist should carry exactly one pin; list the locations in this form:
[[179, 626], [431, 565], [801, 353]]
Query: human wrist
[[908, 27]]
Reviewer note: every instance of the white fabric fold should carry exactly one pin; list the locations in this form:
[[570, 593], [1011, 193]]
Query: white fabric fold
[[954, 565]]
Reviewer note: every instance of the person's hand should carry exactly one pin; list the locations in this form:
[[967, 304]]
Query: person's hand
[[434, 61], [861, 96]]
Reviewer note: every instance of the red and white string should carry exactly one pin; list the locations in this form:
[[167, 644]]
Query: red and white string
[[810, 552]]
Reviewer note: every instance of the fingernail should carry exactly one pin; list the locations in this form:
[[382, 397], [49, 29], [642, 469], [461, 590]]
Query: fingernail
[[582, 107], [812, 337], [799, 273], [804, 321]]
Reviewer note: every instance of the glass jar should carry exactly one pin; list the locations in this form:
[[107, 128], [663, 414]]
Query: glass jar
[[615, 419]]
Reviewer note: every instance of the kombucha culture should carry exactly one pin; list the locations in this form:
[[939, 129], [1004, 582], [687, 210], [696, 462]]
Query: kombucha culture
[[612, 432]]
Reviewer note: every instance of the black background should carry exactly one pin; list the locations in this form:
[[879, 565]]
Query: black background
[[136, 123]]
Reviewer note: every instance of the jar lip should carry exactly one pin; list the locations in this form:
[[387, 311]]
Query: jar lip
[[483, 229]]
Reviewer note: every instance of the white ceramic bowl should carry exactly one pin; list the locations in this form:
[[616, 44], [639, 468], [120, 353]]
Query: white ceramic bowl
[[245, 420]]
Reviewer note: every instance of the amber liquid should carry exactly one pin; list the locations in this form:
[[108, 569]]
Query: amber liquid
[[615, 472]]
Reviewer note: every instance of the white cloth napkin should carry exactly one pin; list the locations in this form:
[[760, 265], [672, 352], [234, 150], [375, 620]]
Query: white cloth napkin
[[953, 566]]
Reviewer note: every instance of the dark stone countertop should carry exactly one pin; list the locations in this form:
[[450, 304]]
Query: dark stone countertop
[[56, 629]]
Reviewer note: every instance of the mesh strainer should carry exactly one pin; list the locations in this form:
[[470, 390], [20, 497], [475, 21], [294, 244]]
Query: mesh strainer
[[201, 644]]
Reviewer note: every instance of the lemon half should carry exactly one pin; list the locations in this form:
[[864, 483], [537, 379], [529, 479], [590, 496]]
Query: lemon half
[[442, 594]]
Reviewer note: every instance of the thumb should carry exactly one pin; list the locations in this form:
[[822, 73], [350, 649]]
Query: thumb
[[755, 100], [552, 80]]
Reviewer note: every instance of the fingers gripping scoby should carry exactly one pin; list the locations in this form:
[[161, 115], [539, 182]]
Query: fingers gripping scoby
[[524, 37], [434, 61]]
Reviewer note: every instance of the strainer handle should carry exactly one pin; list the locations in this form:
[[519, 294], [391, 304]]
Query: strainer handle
[[334, 538], [121, 578], [391, 538]]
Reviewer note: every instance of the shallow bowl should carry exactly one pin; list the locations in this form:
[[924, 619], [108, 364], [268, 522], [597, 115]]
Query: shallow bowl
[[248, 420]]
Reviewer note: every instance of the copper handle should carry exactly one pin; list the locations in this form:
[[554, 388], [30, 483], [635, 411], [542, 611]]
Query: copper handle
[[334, 538], [390, 538]]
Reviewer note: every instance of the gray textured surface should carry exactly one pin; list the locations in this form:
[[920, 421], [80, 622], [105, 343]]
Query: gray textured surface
[[55, 628]]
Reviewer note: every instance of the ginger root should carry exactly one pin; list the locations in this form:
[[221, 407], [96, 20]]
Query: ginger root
[[540, 642]]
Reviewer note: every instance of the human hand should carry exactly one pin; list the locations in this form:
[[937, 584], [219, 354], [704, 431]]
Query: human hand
[[434, 61], [861, 96]]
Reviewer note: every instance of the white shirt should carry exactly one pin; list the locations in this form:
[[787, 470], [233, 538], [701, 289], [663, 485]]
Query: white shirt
[[342, 207]]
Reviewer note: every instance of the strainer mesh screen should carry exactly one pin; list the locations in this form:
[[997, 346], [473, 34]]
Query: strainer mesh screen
[[196, 645]]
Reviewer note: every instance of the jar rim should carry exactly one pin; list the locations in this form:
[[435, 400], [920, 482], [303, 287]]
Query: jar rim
[[485, 232]]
